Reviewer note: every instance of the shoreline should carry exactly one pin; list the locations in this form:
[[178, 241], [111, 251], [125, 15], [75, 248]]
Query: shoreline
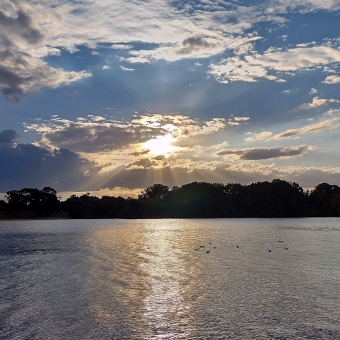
[[56, 216], [35, 219], [8, 218]]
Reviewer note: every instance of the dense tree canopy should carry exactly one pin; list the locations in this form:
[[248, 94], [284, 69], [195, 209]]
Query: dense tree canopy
[[198, 199], [156, 191], [38, 202]]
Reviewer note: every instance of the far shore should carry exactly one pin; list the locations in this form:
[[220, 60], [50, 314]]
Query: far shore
[[51, 218], [14, 217]]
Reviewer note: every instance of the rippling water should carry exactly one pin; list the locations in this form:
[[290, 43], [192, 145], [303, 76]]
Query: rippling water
[[143, 279]]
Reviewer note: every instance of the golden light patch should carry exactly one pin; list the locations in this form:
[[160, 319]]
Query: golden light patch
[[161, 145]]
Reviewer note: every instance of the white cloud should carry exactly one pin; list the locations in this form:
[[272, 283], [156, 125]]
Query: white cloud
[[313, 91], [21, 73], [241, 119], [235, 69], [324, 125], [193, 31], [332, 80], [317, 102], [306, 44], [260, 136], [273, 49], [330, 112], [193, 46], [95, 118], [121, 47], [126, 68], [302, 6], [106, 67], [251, 68], [329, 124], [326, 69], [25, 28]]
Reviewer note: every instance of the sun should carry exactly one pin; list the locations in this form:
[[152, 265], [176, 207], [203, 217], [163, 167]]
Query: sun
[[161, 145]]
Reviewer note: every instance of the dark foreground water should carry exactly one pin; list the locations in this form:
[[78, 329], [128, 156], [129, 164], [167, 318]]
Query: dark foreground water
[[143, 279]]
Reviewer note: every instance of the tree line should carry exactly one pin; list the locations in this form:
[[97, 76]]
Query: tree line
[[194, 200]]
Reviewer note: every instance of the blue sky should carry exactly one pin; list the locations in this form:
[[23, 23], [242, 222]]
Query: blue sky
[[113, 96]]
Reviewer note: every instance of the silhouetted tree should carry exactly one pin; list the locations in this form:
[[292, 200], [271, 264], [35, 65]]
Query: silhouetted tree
[[112, 207], [35, 201], [3, 206], [322, 200], [155, 191], [335, 205], [16, 201], [132, 208], [235, 200], [197, 199], [276, 199]]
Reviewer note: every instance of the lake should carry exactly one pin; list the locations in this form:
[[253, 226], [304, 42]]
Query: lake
[[156, 279]]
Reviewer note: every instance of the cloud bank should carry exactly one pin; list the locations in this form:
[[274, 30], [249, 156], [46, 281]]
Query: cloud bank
[[26, 165], [266, 153], [95, 133], [30, 31], [25, 28], [324, 125]]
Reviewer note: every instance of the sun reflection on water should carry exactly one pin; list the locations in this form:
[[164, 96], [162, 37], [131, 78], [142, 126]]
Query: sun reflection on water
[[144, 279], [166, 311]]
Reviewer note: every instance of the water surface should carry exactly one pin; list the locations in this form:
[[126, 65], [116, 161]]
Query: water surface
[[143, 279]]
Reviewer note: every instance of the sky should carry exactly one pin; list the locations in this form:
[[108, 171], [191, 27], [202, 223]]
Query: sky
[[110, 97]]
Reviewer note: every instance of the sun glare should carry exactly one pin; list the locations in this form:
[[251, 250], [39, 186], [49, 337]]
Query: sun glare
[[161, 145]]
